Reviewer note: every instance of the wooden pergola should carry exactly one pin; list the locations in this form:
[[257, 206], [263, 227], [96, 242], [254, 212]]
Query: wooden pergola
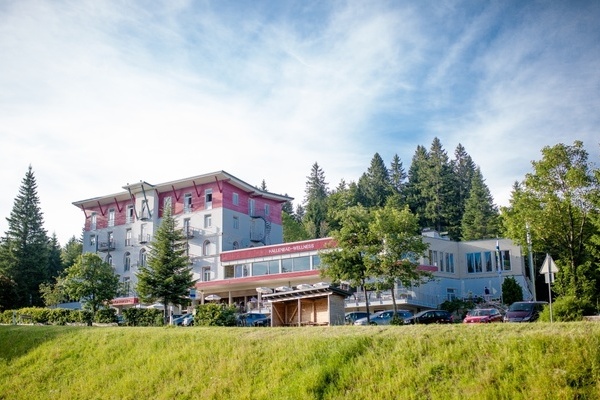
[[319, 305]]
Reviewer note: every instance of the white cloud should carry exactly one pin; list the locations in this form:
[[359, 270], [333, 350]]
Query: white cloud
[[98, 94]]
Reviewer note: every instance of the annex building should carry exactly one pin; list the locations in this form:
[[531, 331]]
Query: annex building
[[235, 244]]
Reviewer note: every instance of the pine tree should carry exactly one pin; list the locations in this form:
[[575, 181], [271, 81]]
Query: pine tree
[[55, 264], [480, 218], [397, 174], [463, 168], [24, 249], [416, 180], [375, 186], [71, 252], [438, 189], [316, 192], [167, 276]]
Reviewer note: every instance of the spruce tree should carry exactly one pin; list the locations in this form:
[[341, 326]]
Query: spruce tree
[[463, 168], [316, 192], [71, 252], [167, 276], [416, 180], [480, 218], [24, 248], [397, 174], [375, 185], [55, 264]]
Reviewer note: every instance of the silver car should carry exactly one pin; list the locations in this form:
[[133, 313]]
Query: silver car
[[384, 317]]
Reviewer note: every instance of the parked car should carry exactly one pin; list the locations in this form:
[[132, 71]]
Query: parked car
[[431, 317], [352, 316], [524, 311], [483, 315], [178, 319], [188, 320], [248, 319], [262, 321], [384, 317]]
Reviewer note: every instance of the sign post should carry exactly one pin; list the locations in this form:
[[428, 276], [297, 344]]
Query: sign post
[[548, 269]]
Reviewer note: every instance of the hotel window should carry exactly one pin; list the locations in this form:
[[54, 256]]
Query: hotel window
[[111, 217], [206, 248], [474, 263], [451, 294], [441, 266], [108, 259], [143, 258], [93, 241], [208, 199], [487, 257], [235, 199], [187, 230], [129, 214], [260, 268], [128, 237], [207, 221], [127, 262], [145, 210], [236, 271], [267, 209], [187, 203], [236, 223], [295, 264], [434, 261], [205, 274], [167, 204], [505, 254], [450, 262], [251, 207], [316, 262], [93, 220], [111, 239], [126, 287]]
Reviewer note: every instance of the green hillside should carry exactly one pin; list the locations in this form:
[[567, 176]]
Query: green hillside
[[500, 361]]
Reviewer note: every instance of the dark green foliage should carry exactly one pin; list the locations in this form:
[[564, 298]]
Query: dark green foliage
[[55, 265], [568, 308], [293, 230], [106, 316], [167, 276], [397, 175], [92, 281], [558, 200], [143, 317], [214, 315], [511, 290], [375, 185], [315, 215], [46, 316], [480, 217], [24, 250], [71, 252]]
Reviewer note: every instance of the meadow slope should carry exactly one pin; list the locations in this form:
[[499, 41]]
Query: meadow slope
[[499, 361]]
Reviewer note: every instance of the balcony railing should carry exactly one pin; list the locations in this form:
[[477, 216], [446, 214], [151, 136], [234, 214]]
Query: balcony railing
[[145, 238], [106, 246]]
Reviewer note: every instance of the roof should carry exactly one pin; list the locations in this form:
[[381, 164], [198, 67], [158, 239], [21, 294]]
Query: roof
[[316, 291], [212, 177]]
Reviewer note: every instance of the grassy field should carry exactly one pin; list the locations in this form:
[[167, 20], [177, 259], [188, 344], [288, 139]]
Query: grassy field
[[499, 361]]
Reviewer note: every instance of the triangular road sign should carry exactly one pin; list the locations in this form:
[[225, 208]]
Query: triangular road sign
[[549, 267]]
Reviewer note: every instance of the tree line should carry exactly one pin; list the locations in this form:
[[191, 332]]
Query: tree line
[[448, 195]]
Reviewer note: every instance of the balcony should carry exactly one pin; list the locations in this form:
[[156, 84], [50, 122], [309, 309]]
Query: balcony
[[106, 246], [145, 238]]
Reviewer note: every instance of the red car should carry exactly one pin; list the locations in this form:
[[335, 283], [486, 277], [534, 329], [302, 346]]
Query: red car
[[483, 316]]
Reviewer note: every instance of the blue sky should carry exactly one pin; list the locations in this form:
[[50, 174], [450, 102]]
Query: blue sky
[[97, 94]]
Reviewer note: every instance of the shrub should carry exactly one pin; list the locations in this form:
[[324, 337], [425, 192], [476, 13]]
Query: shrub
[[215, 315], [106, 316], [511, 290], [568, 308], [143, 317]]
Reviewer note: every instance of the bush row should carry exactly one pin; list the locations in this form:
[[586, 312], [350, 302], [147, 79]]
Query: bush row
[[61, 316]]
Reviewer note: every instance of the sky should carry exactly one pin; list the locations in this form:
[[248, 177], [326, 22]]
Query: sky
[[98, 94]]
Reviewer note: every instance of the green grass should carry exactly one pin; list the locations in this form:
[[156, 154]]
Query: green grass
[[499, 361]]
